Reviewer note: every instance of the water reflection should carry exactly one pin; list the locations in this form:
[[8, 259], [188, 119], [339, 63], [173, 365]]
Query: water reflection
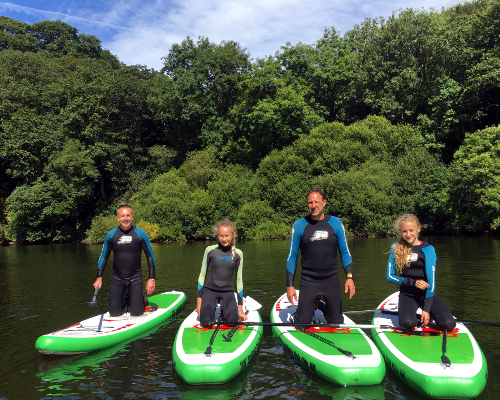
[[44, 288]]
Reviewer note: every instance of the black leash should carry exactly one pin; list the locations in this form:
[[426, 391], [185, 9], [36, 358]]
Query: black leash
[[329, 342], [445, 360], [208, 351], [345, 352]]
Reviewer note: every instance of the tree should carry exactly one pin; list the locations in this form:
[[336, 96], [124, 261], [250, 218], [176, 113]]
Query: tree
[[475, 189], [202, 86], [16, 35]]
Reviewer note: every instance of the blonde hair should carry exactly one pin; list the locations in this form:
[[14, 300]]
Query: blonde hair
[[228, 224], [402, 249]]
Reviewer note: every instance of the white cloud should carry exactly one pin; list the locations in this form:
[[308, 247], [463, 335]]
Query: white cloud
[[141, 32]]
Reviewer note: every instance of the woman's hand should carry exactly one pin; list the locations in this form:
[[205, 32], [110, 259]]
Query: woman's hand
[[241, 314], [420, 284], [198, 305], [425, 318]]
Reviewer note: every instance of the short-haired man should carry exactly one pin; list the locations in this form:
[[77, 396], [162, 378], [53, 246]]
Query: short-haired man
[[318, 236], [127, 242]]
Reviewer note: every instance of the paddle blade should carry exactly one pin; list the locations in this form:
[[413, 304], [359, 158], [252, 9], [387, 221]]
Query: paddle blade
[[251, 304], [93, 303]]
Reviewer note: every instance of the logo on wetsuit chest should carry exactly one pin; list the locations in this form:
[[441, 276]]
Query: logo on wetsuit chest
[[412, 257], [319, 235], [124, 239], [223, 258]]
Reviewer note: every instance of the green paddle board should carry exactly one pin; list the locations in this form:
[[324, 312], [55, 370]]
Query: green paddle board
[[416, 356], [226, 359], [365, 367], [104, 331]]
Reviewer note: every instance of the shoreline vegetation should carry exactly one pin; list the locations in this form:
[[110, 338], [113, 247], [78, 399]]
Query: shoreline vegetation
[[400, 114]]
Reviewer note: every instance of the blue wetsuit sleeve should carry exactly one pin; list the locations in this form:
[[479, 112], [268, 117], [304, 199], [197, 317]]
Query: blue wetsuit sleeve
[[106, 251], [430, 272], [148, 251], [239, 277], [391, 269], [293, 250], [345, 254]]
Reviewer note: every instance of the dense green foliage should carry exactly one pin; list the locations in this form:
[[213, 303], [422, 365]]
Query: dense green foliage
[[398, 115]]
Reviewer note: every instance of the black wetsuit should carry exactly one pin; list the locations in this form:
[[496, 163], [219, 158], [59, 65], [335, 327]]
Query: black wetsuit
[[217, 287], [318, 242], [422, 267], [127, 249]]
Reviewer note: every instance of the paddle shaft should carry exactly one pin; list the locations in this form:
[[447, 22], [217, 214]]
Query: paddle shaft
[[231, 332], [463, 321], [208, 351], [94, 302], [336, 326]]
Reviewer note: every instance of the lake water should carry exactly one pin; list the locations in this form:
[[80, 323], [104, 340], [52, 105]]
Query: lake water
[[46, 288]]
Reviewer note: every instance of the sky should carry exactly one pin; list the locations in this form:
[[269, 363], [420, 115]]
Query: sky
[[143, 31]]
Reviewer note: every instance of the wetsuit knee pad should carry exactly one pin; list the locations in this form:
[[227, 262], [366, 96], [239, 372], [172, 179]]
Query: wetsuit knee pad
[[407, 322], [206, 319], [446, 321]]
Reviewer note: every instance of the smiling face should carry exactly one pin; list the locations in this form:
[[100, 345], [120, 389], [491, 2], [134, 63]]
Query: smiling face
[[410, 231], [124, 216], [225, 236], [316, 203]]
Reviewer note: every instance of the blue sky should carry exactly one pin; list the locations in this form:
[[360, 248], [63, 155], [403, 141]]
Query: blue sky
[[143, 31]]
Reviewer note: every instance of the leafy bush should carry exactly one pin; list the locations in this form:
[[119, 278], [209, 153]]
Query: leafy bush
[[251, 215], [230, 189], [271, 230], [363, 198], [164, 202], [150, 229], [100, 226], [475, 193]]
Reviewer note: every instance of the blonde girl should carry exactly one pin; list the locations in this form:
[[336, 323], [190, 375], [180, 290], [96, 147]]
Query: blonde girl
[[221, 263], [412, 266]]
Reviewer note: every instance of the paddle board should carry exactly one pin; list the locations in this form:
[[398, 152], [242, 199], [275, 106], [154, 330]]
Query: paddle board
[[103, 330], [226, 359], [416, 357], [366, 367]]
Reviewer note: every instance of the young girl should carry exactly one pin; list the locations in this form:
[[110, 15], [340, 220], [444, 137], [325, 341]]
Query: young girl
[[222, 261], [415, 262]]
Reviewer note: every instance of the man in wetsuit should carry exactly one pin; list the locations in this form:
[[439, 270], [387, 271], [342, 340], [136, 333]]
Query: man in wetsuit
[[127, 242], [318, 236]]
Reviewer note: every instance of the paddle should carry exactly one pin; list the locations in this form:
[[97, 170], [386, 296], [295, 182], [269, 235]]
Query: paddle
[[93, 303], [231, 332], [100, 323], [463, 321], [208, 351], [250, 304], [337, 326]]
